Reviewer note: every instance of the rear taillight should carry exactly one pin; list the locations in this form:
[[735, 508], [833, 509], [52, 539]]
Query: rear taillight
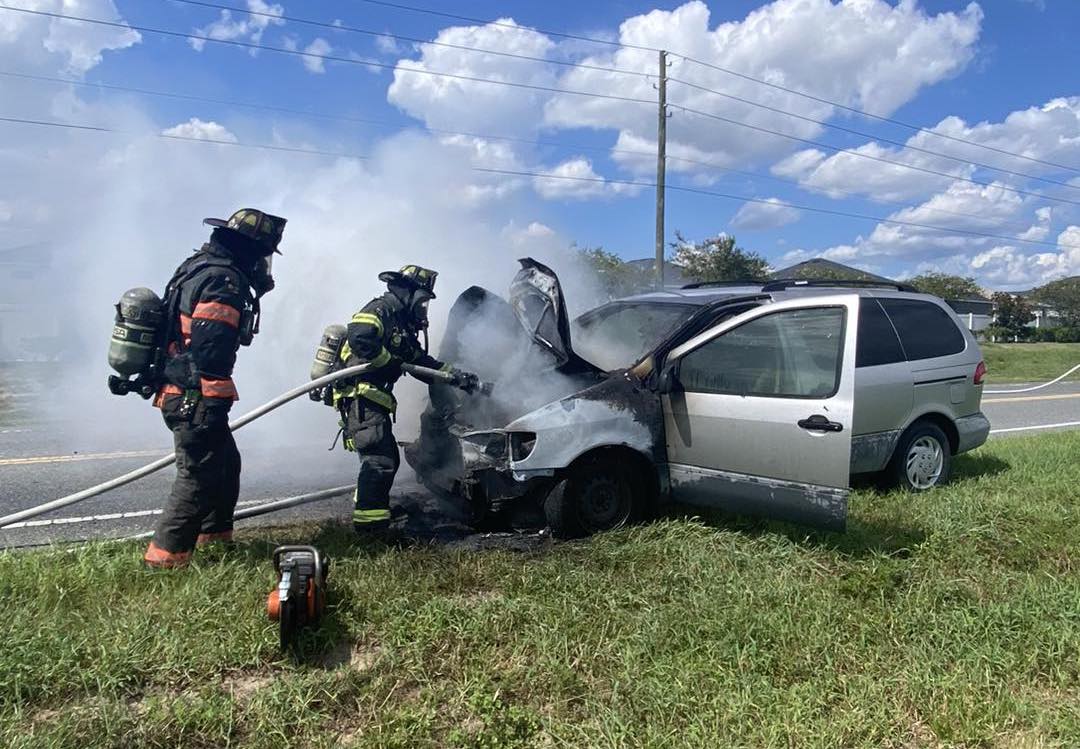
[[980, 373]]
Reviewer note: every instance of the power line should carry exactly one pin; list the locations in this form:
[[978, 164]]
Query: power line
[[729, 71], [860, 133], [859, 154], [549, 89], [879, 118], [484, 136], [485, 22], [777, 202], [601, 180], [188, 138], [342, 27], [329, 58], [368, 32]]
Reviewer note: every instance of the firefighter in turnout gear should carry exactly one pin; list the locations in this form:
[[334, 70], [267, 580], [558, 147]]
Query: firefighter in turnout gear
[[216, 293], [384, 334]]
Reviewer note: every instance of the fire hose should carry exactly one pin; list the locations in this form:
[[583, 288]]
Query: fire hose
[[168, 460], [1034, 387]]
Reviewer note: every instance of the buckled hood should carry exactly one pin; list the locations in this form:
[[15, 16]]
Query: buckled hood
[[537, 300]]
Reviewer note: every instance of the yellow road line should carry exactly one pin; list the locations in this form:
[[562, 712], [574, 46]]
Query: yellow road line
[[1026, 398], [40, 459]]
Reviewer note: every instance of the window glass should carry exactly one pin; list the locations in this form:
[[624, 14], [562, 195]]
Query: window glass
[[925, 329], [877, 342], [620, 337], [790, 354]]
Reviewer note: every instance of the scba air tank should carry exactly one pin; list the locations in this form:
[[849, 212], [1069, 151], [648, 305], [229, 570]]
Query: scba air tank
[[328, 355], [139, 315]]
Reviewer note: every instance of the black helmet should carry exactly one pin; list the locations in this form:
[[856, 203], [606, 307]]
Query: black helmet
[[255, 225], [412, 276]]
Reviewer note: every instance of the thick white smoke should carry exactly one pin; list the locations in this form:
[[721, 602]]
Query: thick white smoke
[[132, 212], [117, 210]]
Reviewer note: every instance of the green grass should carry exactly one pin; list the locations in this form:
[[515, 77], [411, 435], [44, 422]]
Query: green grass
[[1030, 362], [948, 619]]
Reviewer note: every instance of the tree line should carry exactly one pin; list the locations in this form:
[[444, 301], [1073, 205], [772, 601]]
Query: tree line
[[721, 259]]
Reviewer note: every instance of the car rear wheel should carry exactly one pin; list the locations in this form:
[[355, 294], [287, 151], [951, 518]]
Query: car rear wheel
[[922, 460], [599, 495]]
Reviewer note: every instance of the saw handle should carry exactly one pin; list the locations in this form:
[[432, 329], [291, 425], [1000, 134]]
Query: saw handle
[[279, 552]]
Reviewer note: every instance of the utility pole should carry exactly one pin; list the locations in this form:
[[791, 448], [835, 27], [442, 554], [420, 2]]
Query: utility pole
[[661, 169]]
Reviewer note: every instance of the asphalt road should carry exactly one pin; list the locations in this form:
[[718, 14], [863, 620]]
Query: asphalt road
[[41, 460]]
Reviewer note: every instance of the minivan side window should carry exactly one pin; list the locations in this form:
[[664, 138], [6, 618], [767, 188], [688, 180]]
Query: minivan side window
[[789, 354], [925, 329], [877, 342]]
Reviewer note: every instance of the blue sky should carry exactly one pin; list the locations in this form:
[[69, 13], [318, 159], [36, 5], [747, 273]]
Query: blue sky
[[920, 62]]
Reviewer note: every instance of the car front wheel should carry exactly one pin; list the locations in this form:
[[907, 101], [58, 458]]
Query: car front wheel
[[922, 460], [599, 495]]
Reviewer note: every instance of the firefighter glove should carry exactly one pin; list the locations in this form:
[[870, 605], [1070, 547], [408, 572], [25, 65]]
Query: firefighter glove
[[466, 381]]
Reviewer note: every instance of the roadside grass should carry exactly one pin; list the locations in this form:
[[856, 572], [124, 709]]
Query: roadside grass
[[1029, 362], [947, 619]]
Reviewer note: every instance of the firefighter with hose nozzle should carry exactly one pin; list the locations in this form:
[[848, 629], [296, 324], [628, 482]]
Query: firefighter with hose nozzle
[[212, 305], [385, 334]]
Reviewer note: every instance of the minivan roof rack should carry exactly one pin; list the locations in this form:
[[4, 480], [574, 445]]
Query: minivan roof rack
[[781, 284], [715, 284]]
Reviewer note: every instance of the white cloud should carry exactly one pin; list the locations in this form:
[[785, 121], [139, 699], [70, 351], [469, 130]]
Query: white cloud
[[388, 45], [878, 57], [455, 104], [995, 262], [318, 46], [576, 179], [851, 172], [962, 206], [771, 214], [200, 130], [247, 27], [80, 45], [535, 235], [1005, 265], [1050, 132], [536, 229], [1039, 230]]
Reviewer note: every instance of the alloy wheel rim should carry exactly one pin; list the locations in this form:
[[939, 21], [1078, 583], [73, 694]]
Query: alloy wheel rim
[[925, 462]]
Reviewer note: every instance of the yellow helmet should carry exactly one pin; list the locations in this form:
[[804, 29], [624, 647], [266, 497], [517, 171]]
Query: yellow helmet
[[412, 275]]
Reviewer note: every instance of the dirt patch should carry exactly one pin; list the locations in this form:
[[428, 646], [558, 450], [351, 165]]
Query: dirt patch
[[532, 542], [360, 657], [480, 596], [244, 685]]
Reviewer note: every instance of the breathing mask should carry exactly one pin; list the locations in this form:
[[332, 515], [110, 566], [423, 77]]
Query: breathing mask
[[262, 278], [418, 308]]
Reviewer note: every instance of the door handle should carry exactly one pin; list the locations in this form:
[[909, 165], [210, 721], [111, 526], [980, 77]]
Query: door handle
[[819, 423]]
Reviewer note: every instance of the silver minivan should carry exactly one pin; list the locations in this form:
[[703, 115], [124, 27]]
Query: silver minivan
[[759, 399]]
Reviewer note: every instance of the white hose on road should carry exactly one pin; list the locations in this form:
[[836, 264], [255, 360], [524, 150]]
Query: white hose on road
[[273, 506], [1035, 387], [168, 460]]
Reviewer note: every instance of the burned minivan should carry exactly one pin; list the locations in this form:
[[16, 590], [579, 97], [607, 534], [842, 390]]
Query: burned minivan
[[738, 397]]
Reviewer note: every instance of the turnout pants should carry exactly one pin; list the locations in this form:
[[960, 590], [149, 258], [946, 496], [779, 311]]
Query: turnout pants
[[207, 485], [369, 432]]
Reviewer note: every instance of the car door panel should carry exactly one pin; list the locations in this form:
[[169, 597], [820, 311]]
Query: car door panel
[[733, 432]]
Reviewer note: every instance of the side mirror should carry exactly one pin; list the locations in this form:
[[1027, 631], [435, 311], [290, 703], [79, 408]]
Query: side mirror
[[668, 382]]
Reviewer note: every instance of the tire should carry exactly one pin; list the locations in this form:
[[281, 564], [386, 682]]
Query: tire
[[599, 495], [922, 460]]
